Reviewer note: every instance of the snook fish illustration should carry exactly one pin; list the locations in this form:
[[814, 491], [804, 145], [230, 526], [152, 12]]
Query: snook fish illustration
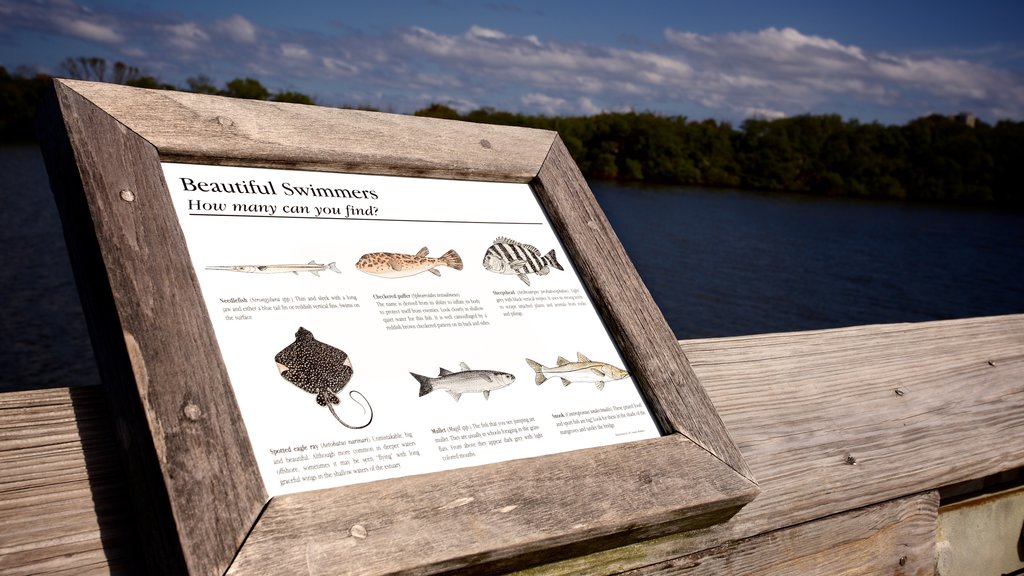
[[584, 370], [319, 369], [458, 383], [313, 268], [507, 256], [391, 265]]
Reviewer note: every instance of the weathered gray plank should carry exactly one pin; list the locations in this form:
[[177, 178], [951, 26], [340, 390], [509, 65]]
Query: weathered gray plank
[[188, 127], [61, 489], [788, 397], [177, 420], [896, 537], [644, 337], [463, 520], [800, 404]]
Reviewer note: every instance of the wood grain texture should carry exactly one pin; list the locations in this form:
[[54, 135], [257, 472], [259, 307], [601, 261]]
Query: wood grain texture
[[673, 392], [61, 487], [492, 518], [896, 537], [206, 129], [800, 405], [157, 349], [194, 478], [781, 392]]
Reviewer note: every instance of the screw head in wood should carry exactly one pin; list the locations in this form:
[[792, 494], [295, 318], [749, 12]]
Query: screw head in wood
[[192, 412]]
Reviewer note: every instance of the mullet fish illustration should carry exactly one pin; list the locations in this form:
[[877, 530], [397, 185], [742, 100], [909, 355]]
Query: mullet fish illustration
[[507, 256], [313, 268], [584, 370], [458, 383], [391, 265], [319, 369]]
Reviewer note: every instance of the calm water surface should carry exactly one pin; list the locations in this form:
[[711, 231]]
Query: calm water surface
[[725, 263], [719, 263]]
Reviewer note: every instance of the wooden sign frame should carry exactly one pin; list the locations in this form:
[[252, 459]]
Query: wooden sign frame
[[198, 494]]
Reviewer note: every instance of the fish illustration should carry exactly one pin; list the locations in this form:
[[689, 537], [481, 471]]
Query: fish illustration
[[507, 256], [313, 268], [391, 265], [319, 369], [584, 370], [458, 383]]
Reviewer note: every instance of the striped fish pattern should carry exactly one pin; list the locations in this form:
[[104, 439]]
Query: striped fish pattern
[[507, 256]]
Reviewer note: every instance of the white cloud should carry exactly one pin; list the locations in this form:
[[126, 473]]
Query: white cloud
[[338, 66], [104, 33], [491, 54], [295, 52], [769, 72], [485, 33], [187, 36], [549, 105], [239, 29], [764, 113], [588, 107], [774, 71]]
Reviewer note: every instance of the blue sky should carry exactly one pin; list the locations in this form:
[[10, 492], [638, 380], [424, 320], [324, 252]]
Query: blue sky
[[729, 59]]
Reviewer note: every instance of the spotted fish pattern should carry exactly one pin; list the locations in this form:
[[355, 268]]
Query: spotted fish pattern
[[506, 256], [392, 265], [320, 369]]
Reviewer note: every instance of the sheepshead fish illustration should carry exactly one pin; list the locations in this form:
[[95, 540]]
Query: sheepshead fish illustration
[[584, 370], [391, 265], [319, 369], [458, 383], [507, 256], [313, 268]]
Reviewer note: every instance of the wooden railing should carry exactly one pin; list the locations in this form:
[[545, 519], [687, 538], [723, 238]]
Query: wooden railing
[[850, 432]]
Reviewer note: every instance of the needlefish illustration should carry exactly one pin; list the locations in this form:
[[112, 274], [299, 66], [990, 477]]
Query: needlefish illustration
[[458, 383], [584, 370], [312, 267], [320, 369]]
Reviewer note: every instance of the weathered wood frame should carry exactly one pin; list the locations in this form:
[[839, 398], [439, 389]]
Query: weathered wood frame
[[198, 493]]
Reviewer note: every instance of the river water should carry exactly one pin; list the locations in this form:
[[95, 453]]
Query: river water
[[718, 263]]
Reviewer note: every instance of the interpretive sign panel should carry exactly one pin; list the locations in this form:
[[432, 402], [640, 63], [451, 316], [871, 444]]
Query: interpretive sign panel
[[335, 299], [333, 339]]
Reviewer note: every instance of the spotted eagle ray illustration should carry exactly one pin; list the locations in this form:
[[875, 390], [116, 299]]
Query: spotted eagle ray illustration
[[584, 370], [319, 369], [392, 265]]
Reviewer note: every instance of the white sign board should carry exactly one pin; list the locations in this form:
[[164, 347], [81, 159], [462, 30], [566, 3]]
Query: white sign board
[[375, 326]]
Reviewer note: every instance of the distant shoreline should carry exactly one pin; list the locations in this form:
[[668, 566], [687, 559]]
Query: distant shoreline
[[945, 159]]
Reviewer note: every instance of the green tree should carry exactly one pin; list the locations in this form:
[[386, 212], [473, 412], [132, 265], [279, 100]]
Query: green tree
[[438, 111], [201, 85], [20, 94], [294, 97], [248, 88]]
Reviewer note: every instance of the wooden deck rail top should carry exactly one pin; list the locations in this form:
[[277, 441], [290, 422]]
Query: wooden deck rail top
[[848, 432]]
